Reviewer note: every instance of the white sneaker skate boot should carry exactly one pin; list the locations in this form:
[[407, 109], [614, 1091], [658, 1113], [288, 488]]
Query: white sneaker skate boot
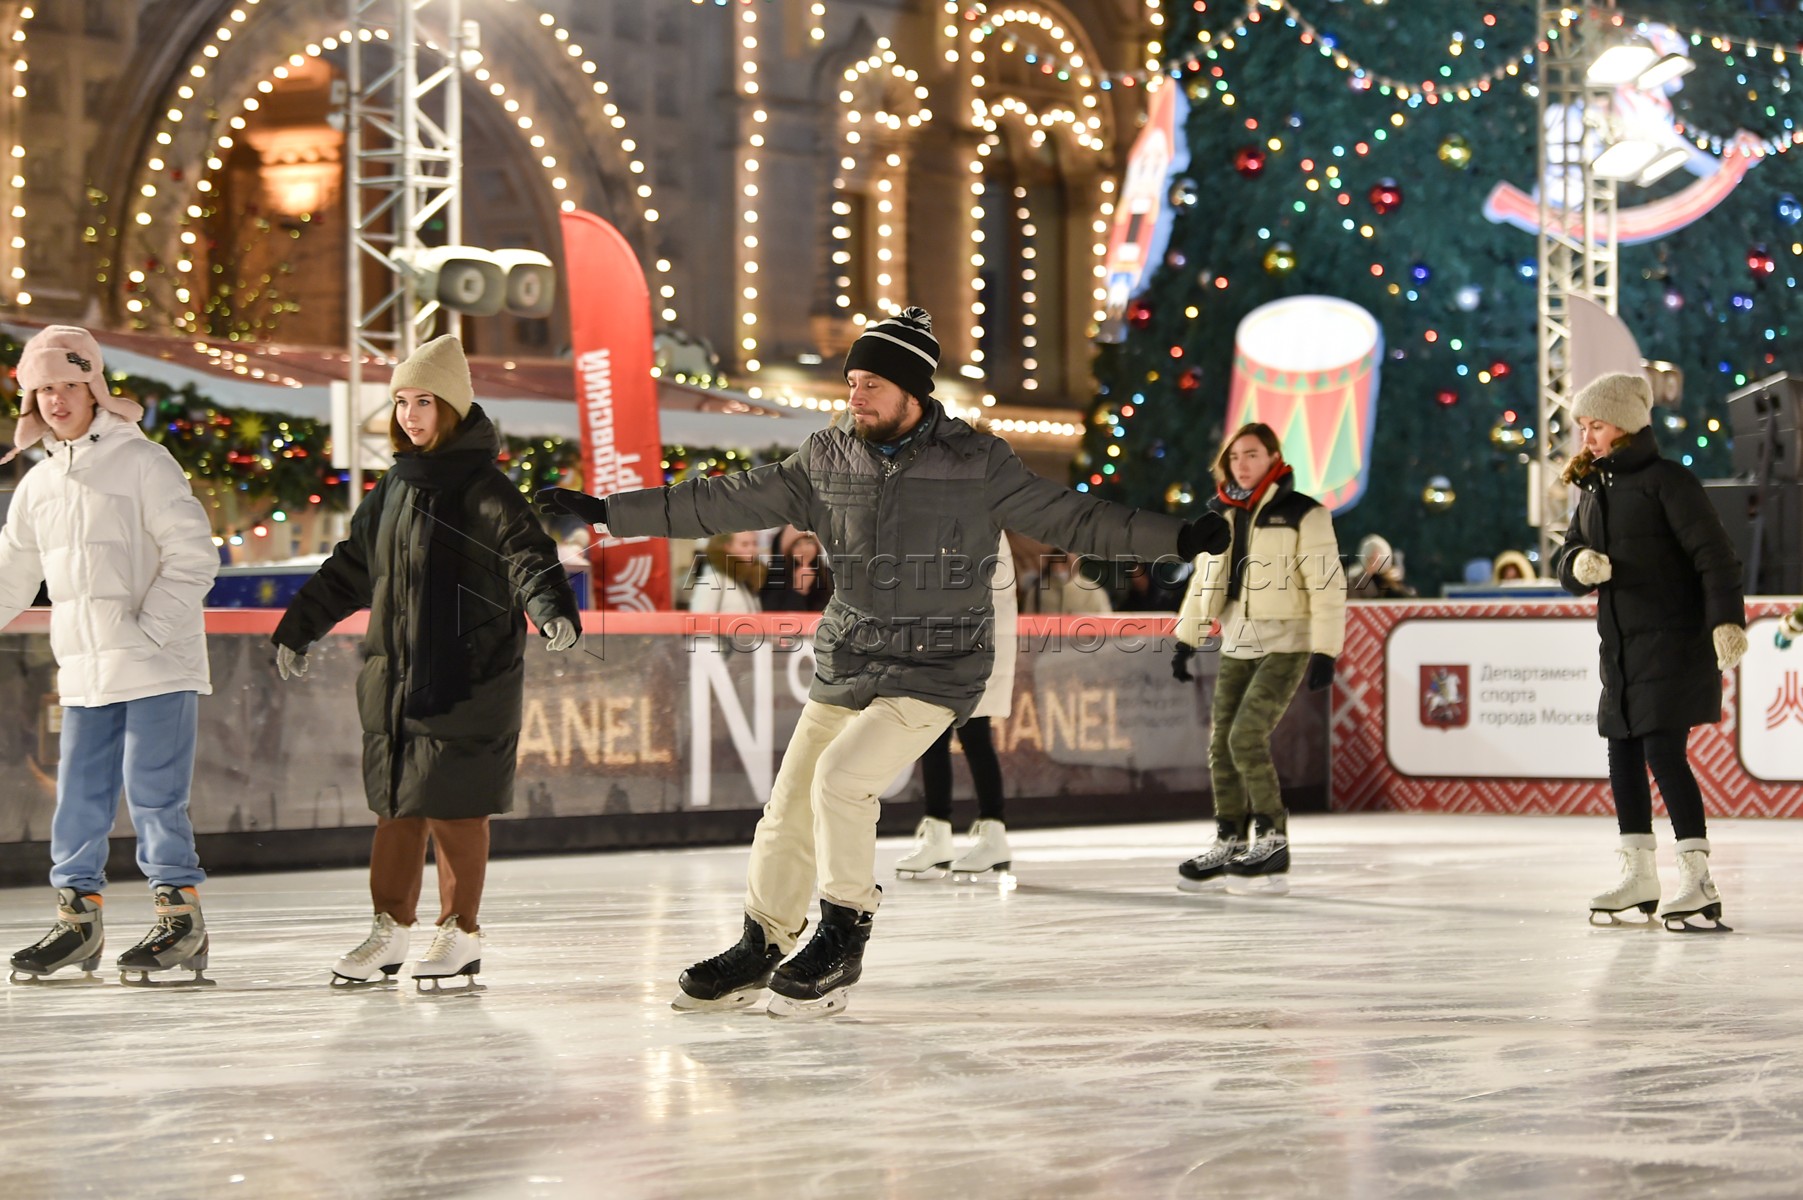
[[988, 858], [1697, 908], [1638, 888], [378, 959], [932, 854], [452, 953]]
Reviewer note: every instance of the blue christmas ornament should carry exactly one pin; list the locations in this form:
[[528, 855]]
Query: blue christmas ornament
[[1421, 273], [1790, 209], [1528, 268]]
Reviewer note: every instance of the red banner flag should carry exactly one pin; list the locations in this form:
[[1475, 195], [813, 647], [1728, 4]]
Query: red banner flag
[[616, 399]]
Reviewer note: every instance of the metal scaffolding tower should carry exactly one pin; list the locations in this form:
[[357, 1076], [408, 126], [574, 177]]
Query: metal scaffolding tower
[[1577, 241], [404, 168]]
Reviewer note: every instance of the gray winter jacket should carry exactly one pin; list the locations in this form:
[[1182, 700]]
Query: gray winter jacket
[[912, 544]]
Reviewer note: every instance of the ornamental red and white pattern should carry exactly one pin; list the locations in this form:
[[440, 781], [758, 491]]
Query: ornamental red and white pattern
[[1363, 779]]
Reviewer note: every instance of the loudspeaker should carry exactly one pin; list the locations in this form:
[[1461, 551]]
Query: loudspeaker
[[1780, 559], [531, 282], [1771, 408], [461, 278]]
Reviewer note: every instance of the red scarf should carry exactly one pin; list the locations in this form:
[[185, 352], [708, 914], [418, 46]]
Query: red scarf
[[1250, 501]]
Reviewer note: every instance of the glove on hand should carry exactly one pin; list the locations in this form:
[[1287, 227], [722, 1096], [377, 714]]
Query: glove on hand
[[1207, 534], [1790, 628], [1590, 568], [1730, 644], [1320, 671], [290, 664], [592, 510], [562, 633], [1180, 663]]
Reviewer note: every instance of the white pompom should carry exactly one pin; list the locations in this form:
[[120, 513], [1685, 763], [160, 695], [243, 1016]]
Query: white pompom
[[918, 316]]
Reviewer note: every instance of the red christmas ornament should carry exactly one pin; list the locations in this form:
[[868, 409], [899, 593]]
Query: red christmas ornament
[[1446, 397], [1385, 196], [1139, 314], [1249, 161], [1190, 380], [1500, 369], [1761, 262]]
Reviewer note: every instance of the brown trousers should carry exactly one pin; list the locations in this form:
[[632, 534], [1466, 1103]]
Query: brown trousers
[[397, 867]]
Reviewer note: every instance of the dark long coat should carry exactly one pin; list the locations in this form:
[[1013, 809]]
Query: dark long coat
[[1675, 577], [457, 763]]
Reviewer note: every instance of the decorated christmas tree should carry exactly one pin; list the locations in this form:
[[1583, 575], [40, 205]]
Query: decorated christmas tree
[[1373, 153]]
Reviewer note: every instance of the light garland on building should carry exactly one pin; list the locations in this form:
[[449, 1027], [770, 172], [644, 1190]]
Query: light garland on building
[[15, 235], [140, 216], [751, 124], [862, 133], [1029, 276]]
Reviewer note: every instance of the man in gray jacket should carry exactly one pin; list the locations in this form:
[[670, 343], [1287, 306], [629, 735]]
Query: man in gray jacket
[[909, 502]]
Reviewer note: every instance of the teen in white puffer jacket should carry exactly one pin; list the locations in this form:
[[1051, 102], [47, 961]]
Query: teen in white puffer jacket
[[107, 520]]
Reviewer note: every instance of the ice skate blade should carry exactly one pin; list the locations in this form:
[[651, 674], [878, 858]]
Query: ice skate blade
[[833, 1002], [434, 985], [50, 979], [1196, 887], [937, 871], [1603, 918], [731, 1002], [144, 980], [389, 977], [1001, 875], [1258, 885], [1682, 922]]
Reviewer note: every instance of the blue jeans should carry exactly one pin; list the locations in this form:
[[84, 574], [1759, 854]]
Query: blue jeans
[[147, 747]]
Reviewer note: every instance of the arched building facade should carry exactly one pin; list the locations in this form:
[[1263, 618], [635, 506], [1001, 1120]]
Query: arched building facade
[[785, 169]]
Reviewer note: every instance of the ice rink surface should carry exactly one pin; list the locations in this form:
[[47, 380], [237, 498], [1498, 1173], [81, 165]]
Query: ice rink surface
[[1427, 1014]]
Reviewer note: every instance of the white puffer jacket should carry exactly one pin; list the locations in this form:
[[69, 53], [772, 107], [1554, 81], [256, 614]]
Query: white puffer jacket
[[998, 693], [109, 522]]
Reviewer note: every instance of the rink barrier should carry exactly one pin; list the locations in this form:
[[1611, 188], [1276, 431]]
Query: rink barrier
[[1491, 708], [661, 729]]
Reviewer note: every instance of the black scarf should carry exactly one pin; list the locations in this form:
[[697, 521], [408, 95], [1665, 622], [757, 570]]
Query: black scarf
[[1241, 502], [438, 670]]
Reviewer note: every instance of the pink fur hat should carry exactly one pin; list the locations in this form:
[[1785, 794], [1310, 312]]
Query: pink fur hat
[[63, 354]]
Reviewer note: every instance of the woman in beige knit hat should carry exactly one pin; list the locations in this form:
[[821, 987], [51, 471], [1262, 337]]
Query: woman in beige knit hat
[[1646, 541], [450, 561]]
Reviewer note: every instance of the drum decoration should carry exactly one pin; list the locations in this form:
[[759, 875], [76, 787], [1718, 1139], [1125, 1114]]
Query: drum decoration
[[1307, 366]]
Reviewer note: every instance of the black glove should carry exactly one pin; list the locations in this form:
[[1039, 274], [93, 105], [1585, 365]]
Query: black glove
[[592, 510], [1180, 663], [1207, 534], [1320, 671]]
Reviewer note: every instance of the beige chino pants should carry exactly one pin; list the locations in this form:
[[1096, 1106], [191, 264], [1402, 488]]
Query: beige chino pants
[[820, 824]]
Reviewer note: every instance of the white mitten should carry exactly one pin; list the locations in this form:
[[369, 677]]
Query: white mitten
[[1730, 644], [1591, 568], [1792, 624]]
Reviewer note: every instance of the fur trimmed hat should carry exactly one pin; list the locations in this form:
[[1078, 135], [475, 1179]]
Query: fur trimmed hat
[[901, 349], [1621, 399], [63, 354], [438, 367]]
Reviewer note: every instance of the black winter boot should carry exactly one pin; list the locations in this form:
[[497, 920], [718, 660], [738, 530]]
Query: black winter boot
[[816, 982], [734, 979]]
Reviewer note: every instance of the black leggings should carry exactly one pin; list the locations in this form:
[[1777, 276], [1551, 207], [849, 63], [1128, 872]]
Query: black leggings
[[1666, 754], [985, 771]]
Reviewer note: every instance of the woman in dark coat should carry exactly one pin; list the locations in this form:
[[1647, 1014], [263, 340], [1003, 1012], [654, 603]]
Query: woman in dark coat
[[1669, 607], [449, 559]]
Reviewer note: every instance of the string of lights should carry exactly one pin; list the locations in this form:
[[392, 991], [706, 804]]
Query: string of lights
[[15, 215]]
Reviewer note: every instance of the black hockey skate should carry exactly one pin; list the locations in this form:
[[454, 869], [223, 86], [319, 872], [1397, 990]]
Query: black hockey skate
[[1263, 867], [735, 979], [817, 981], [76, 940], [1209, 868], [177, 942]]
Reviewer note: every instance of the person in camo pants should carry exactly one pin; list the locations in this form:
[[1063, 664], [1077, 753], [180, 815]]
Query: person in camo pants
[[1279, 598]]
